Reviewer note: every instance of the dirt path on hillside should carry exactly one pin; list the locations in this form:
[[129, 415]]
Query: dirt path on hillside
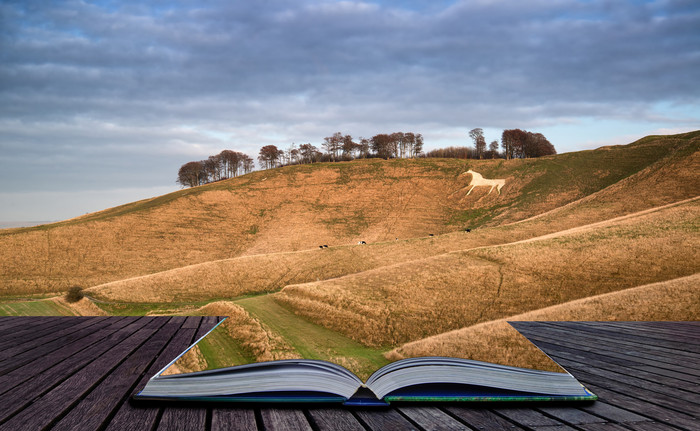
[[596, 225], [570, 231]]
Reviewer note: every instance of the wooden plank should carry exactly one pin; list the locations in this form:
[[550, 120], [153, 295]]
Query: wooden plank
[[384, 419], [37, 341], [233, 419], [639, 406], [43, 382], [641, 356], [44, 347], [145, 416], [192, 322], [200, 328], [527, 417], [432, 419], [618, 371], [613, 413], [284, 419], [604, 427], [334, 419], [53, 404], [183, 418], [41, 328], [480, 418], [621, 335], [612, 347], [10, 379], [10, 324], [205, 325], [663, 395], [571, 415], [672, 332], [653, 426], [93, 410]]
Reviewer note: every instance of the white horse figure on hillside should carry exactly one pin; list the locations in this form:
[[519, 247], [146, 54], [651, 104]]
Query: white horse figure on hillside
[[478, 180]]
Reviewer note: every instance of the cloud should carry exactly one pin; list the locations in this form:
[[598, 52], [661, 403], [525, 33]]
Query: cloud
[[129, 81]]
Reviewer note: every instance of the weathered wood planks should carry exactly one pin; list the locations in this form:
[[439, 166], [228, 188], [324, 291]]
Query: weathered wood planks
[[80, 373]]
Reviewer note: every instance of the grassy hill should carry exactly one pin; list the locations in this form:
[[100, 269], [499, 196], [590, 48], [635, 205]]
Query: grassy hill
[[297, 208], [612, 233]]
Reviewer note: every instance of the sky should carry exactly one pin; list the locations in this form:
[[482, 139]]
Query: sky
[[101, 102]]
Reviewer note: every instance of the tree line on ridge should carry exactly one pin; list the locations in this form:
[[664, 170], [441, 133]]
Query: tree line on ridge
[[515, 143]]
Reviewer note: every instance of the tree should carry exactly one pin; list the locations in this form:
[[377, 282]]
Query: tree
[[231, 161], [75, 294], [213, 168], [308, 153], [382, 144], [364, 148], [417, 145], [247, 163], [522, 144], [333, 144], [536, 145], [479, 141], [349, 147], [452, 153], [268, 157], [512, 141], [191, 174], [493, 149]]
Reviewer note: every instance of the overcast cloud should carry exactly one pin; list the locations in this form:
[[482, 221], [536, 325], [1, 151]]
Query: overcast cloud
[[113, 96]]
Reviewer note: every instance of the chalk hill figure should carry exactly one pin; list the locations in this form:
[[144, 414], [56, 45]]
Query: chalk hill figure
[[478, 180]]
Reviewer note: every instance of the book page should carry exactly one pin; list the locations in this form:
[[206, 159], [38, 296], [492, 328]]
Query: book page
[[497, 343]]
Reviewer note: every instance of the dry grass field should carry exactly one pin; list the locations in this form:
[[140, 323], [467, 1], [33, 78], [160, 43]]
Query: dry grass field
[[409, 301], [297, 208]]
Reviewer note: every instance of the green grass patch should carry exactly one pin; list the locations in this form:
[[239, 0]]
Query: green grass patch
[[144, 308], [221, 350], [313, 341], [34, 308]]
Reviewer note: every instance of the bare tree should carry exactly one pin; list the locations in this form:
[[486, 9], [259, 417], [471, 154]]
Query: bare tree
[[364, 148], [333, 145], [479, 141], [493, 149], [417, 145], [247, 163]]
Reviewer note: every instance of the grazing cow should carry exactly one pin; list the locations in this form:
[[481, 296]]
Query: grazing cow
[[478, 180], [361, 243], [430, 234], [467, 230], [320, 246], [325, 246]]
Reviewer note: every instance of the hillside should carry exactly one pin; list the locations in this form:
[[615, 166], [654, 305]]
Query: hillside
[[647, 302], [274, 220], [401, 303]]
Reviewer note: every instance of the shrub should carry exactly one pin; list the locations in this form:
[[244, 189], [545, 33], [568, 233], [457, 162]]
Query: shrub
[[74, 294]]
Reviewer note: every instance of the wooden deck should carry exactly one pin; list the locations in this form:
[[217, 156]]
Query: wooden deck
[[79, 372]]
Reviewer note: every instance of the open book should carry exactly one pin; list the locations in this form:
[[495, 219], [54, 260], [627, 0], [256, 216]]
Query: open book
[[423, 379]]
